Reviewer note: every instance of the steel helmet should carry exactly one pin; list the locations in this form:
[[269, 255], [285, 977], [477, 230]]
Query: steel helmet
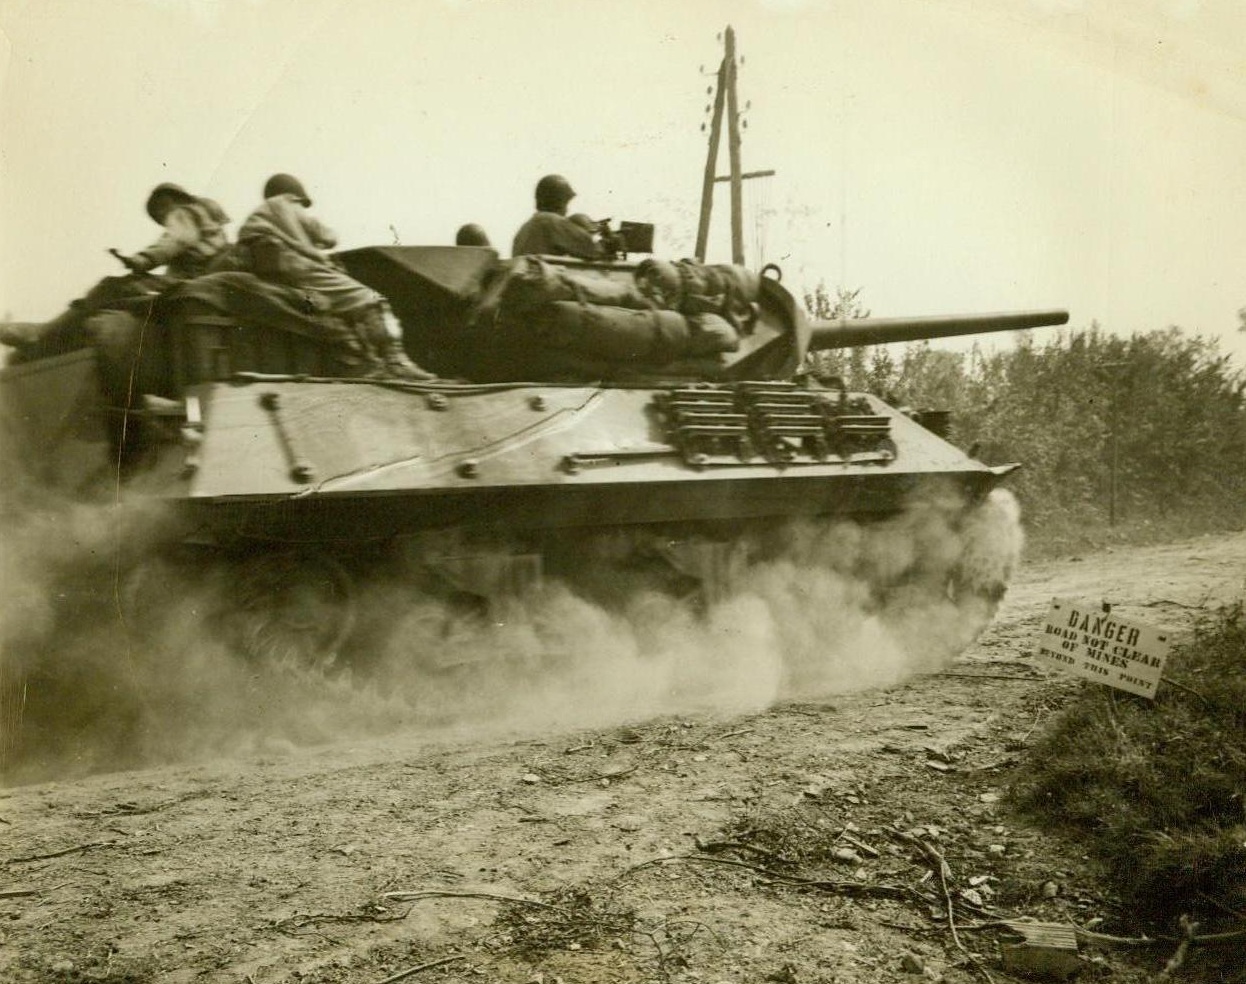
[[286, 184], [169, 193], [471, 235], [553, 192]]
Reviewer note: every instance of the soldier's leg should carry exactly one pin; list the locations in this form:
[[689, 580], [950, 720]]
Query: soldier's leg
[[67, 331], [387, 348]]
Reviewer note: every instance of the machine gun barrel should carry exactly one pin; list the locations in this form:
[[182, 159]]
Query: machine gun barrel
[[877, 331]]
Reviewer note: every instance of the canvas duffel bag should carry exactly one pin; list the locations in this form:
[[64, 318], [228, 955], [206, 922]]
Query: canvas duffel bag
[[615, 333], [533, 282]]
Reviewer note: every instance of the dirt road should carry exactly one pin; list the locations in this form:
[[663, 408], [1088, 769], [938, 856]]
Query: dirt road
[[779, 845]]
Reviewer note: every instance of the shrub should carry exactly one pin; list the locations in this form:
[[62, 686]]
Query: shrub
[[1148, 430], [1158, 789]]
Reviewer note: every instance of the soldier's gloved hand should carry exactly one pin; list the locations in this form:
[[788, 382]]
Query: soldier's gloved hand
[[132, 263]]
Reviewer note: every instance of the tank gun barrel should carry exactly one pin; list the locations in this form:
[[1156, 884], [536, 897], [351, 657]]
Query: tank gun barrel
[[877, 331]]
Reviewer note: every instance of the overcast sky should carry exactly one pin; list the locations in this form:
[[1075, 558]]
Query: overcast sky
[[942, 155]]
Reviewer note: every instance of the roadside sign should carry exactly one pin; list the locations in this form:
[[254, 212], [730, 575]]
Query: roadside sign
[[1088, 641]]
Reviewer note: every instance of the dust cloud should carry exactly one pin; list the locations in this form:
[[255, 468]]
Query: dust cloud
[[114, 657]]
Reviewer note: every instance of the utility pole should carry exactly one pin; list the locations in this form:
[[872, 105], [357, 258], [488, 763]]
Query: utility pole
[[733, 152], [711, 164], [725, 91]]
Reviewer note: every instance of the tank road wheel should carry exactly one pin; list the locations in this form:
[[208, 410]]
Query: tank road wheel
[[291, 609]]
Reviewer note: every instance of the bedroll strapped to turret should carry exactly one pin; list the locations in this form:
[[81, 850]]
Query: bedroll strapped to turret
[[695, 288], [665, 312]]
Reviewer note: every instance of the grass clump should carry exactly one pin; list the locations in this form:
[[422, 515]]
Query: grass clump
[[1158, 788]]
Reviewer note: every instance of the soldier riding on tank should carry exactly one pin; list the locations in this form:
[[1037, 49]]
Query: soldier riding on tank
[[549, 231], [281, 241], [192, 243]]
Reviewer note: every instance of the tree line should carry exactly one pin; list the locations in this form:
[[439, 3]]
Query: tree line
[[1149, 428]]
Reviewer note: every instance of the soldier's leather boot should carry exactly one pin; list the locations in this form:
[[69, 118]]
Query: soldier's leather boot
[[24, 334], [394, 360], [401, 365], [38, 340], [19, 334]]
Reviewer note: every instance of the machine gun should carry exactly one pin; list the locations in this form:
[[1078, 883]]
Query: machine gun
[[629, 237]]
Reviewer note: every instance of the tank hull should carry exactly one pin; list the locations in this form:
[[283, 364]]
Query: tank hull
[[317, 495], [529, 509], [299, 462]]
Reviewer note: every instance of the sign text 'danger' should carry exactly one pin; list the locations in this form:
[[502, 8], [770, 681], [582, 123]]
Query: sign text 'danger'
[[1088, 642]]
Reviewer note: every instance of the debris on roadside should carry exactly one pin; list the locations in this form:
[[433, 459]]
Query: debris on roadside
[[863, 847], [1048, 951]]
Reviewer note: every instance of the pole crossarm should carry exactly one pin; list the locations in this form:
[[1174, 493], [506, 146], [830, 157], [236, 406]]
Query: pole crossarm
[[746, 175]]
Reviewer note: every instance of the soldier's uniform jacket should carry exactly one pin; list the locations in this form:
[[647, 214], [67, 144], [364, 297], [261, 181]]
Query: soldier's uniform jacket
[[554, 235], [296, 256], [194, 233]]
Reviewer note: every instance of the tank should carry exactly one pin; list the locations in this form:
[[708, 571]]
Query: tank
[[617, 426]]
